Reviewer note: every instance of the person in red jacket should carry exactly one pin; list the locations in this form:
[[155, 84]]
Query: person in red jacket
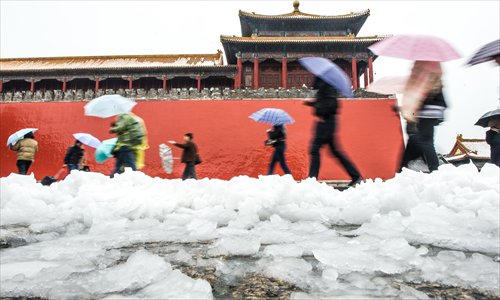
[[189, 155]]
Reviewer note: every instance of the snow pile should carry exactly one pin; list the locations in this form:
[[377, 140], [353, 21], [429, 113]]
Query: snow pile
[[440, 227]]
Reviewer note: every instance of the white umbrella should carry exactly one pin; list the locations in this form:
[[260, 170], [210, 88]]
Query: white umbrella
[[19, 135], [166, 158], [109, 105], [87, 139]]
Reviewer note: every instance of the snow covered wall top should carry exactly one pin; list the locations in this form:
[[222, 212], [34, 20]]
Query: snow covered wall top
[[230, 143]]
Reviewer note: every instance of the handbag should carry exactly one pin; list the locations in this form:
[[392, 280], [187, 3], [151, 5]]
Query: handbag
[[197, 159]]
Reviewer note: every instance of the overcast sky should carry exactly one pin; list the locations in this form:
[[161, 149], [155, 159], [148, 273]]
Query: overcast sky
[[68, 28]]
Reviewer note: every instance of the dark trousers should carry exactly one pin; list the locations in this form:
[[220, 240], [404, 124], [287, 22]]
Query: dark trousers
[[278, 156], [325, 135], [124, 158], [72, 167], [23, 166], [421, 144], [189, 171]]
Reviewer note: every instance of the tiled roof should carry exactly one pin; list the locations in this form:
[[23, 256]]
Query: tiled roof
[[111, 62], [317, 39], [469, 148], [296, 14]]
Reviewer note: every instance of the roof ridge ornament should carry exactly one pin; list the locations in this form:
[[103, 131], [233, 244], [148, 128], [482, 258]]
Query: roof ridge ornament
[[296, 5]]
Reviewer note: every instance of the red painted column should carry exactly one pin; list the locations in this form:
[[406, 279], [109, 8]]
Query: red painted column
[[365, 77], [199, 83], [354, 70], [130, 83], [32, 86], [164, 82], [370, 67], [64, 85], [1, 85], [255, 73], [284, 73], [239, 71], [96, 84]]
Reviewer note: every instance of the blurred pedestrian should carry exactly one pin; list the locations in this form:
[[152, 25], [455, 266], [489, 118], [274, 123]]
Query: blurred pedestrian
[[424, 90], [74, 158], [277, 139], [130, 135], [26, 149], [140, 149], [493, 139], [190, 156], [325, 108]]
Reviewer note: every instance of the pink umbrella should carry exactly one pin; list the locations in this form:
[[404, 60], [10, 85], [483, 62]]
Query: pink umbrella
[[388, 85], [415, 47]]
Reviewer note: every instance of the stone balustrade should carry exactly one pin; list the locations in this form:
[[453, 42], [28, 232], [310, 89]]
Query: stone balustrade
[[172, 94]]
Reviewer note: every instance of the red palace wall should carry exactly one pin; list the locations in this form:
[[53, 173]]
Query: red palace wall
[[230, 143]]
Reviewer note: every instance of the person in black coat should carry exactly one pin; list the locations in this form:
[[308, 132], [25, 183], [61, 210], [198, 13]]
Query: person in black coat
[[277, 139], [325, 108], [493, 139], [189, 155], [74, 156], [421, 136]]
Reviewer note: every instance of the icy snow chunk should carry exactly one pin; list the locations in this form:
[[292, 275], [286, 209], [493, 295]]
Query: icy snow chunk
[[330, 274], [369, 255], [453, 268], [243, 245], [174, 286], [294, 270], [284, 250]]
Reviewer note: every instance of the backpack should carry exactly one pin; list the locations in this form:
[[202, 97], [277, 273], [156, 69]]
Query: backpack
[[136, 132]]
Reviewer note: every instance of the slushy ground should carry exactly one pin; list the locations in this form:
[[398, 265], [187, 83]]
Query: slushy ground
[[134, 236]]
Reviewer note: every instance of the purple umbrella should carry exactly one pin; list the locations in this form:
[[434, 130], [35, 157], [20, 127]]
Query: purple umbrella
[[329, 72]]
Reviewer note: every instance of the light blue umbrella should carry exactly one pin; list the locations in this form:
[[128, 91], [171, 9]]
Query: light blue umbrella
[[103, 152], [19, 135], [87, 139], [330, 73], [109, 105], [274, 116]]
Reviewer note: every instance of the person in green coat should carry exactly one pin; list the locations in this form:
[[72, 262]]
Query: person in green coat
[[130, 134]]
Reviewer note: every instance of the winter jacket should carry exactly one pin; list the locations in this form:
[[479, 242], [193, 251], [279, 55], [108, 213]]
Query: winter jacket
[[189, 151], [26, 149], [129, 129], [326, 103], [278, 135], [73, 156], [433, 107], [493, 139]]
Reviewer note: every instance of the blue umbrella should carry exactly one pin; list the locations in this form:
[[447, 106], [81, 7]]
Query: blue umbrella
[[486, 53], [274, 116], [329, 72], [19, 135], [103, 152]]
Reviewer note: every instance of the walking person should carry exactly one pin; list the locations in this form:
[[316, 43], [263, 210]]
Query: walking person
[[277, 139], [325, 108], [189, 156], [430, 115], [493, 139], [26, 149], [74, 158], [130, 133]]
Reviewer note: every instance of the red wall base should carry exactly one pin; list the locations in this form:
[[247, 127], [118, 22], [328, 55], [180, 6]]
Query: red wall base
[[230, 143]]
